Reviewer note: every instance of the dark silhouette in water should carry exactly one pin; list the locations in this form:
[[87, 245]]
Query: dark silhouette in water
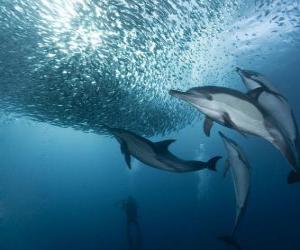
[[134, 234]]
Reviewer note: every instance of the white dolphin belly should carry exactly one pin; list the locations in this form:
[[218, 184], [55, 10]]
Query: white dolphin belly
[[246, 116], [241, 181]]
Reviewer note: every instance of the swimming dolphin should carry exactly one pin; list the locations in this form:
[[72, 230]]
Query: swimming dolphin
[[240, 171], [156, 154], [238, 111], [276, 106]]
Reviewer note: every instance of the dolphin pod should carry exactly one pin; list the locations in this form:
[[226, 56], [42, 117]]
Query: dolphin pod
[[262, 112], [277, 106], [157, 154], [238, 111], [240, 171]]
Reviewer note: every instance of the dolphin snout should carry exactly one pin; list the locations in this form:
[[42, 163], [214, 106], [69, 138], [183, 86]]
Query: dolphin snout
[[180, 95], [175, 93]]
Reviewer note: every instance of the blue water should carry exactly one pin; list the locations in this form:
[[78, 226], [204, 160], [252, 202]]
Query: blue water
[[61, 175]]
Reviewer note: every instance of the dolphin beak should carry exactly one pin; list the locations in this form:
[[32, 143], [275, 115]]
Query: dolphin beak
[[176, 93], [180, 95]]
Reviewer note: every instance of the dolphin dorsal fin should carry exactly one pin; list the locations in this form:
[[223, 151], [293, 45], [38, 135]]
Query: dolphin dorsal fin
[[125, 151], [208, 123], [162, 146], [255, 93]]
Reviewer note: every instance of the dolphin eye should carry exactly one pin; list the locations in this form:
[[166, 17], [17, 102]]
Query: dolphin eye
[[209, 97]]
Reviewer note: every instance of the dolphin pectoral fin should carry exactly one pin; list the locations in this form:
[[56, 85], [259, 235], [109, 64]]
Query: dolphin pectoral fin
[[128, 160], [226, 167], [162, 146], [208, 123], [255, 93], [230, 124], [125, 151]]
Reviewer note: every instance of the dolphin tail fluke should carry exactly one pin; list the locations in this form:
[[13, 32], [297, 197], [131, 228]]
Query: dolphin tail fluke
[[211, 164], [293, 177], [229, 240]]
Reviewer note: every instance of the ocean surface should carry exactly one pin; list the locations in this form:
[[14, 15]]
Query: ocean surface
[[70, 68]]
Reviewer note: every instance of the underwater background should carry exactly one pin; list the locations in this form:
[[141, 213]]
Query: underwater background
[[68, 68]]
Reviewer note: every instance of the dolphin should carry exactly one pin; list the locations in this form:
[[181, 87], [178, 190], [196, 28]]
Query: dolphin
[[240, 171], [238, 111], [156, 154], [277, 107]]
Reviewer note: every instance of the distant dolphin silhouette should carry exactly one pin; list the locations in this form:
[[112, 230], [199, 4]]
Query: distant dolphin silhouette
[[278, 107], [240, 171], [238, 111], [157, 154]]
